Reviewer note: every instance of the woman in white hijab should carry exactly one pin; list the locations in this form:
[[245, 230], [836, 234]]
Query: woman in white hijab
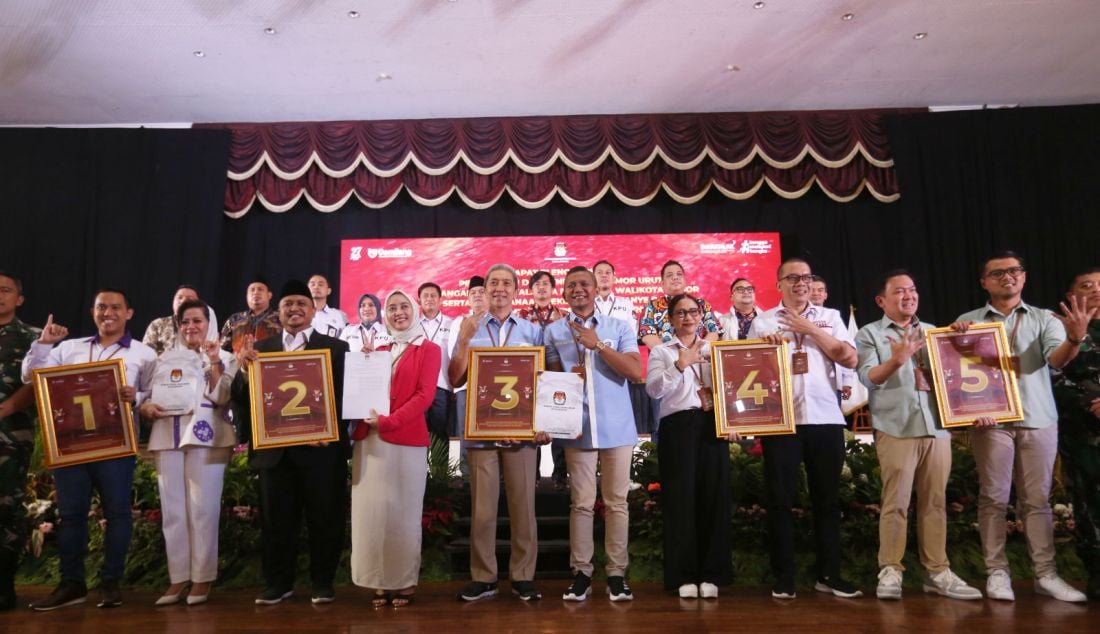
[[389, 463]]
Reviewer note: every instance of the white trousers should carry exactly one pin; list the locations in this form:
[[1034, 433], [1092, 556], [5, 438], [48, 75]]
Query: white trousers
[[190, 482]]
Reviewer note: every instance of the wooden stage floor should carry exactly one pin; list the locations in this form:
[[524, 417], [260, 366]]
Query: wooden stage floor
[[437, 612]]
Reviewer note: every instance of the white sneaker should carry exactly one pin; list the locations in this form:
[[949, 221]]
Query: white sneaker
[[999, 586], [950, 585], [689, 591], [1053, 586], [708, 590], [889, 583]]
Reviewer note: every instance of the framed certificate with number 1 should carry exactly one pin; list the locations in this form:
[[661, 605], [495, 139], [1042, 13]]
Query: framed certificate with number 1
[[82, 417], [293, 402], [752, 388], [500, 401]]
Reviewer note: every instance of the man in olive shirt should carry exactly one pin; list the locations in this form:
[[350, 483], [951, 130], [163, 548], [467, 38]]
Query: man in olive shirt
[[912, 446], [1038, 341]]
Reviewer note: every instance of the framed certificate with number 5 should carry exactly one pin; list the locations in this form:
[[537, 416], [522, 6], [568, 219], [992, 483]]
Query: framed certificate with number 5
[[82, 416], [973, 375], [500, 402], [752, 388], [293, 402]]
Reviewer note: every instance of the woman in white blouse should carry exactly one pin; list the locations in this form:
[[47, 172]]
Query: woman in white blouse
[[370, 332], [694, 463], [192, 439]]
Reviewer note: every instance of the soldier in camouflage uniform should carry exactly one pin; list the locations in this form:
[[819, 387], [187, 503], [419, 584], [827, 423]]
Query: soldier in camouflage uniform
[[16, 434], [1077, 392]]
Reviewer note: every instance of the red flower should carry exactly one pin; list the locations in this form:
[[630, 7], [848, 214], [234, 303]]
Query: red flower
[[653, 487], [152, 515], [757, 448]]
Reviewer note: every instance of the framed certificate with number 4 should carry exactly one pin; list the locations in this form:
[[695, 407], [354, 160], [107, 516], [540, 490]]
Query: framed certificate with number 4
[[752, 388], [82, 417], [293, 402]]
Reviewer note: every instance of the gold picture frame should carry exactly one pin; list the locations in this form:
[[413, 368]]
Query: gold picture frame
[[81, 415], [973, 375], [741, 403], [500, 400], [293, 401]]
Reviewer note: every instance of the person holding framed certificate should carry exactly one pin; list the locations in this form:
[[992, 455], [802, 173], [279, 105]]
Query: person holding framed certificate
[[1038, 341], [912, 445], [389, 463], [112, 478], [298, 480], [500, 327], [820, 340], [694, 463], [192, 440], [602, 350]]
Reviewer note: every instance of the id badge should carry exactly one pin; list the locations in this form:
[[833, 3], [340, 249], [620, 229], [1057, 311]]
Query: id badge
[[579, 371], [706, 398], [920, 379], [800, 362]]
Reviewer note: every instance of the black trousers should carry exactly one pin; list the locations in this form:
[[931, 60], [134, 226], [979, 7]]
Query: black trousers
[[695, 498], [288, 491], [821, 448]]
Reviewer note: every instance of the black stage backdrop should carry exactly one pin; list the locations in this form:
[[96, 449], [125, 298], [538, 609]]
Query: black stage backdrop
[[971, 182], [136, 209]]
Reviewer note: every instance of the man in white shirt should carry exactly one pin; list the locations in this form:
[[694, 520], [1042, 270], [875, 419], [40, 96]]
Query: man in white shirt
[[610, 304], [326, 319], [437, 328], [743, 310], [113, 479], [844, 378], [819, 339]]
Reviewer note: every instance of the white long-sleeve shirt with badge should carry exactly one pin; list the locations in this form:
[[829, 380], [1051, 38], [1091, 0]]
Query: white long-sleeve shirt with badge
[[138, 358], [813, 392]]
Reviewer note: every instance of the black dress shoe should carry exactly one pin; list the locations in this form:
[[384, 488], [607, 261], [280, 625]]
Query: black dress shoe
[[273, 596], [323, 593], [66, 593], [109, 594]]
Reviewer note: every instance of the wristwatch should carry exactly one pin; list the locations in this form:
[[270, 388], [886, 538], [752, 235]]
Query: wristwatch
[[601, 346]]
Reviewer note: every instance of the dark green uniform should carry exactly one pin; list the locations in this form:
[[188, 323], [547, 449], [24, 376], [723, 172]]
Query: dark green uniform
[[16, 437], [1079, 445]]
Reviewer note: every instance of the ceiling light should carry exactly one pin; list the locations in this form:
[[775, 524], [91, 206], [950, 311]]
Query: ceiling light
[[270, 30], [732, 68], [847, 16], [199, 54], [920, 36], [758, 5], [353, 14], [383, 76]]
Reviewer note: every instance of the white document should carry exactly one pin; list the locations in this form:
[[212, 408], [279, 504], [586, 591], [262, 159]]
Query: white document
[[366, 383], [177, 382], [559, 404]]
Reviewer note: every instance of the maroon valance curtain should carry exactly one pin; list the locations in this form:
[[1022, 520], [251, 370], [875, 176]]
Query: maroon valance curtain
[[580, 158]]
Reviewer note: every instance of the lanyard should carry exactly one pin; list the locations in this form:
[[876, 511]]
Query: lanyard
[[1015, 329], [91, 346], [436, 332], [610, 305], [500, 328], [292, 338], [694, 370]]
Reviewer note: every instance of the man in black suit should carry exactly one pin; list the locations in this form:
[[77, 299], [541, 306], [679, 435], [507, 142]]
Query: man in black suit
[[309, 480]]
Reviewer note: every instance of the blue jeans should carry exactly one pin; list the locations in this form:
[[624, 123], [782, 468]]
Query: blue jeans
[[114, 480]]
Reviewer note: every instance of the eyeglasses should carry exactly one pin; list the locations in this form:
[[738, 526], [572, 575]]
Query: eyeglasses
[[997, 274], [744, 289], [684, 312], [795, 279]]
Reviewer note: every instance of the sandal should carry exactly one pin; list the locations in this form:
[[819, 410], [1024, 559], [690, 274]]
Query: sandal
[[401, 600], [381, 599]]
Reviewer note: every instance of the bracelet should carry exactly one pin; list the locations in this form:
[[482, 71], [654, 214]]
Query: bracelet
[[1076, 342]]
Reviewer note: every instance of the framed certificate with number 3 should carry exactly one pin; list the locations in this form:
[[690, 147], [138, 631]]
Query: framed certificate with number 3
[[82, 417], [500, 402]]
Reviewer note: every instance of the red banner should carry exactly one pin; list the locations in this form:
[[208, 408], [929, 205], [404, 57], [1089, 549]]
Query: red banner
[[711, 262]]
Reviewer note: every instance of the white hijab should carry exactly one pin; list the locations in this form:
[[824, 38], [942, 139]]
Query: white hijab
[[411, 335]]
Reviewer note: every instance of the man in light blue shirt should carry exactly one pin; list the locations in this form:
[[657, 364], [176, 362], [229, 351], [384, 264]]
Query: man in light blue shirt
[[912, 446], [1023, 452], [604, 352], [500, 326]]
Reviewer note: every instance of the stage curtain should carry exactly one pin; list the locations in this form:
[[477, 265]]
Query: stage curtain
[[582, 159]]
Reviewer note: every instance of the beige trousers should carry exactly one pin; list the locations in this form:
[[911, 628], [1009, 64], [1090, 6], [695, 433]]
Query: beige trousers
[[615, 484], [519, 485], [1026, 457], [925, 463]]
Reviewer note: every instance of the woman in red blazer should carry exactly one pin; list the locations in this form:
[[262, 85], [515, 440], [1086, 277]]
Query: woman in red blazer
[[390, 465]]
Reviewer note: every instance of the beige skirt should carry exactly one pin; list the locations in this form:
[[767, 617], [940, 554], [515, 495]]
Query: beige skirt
[[387, 503]]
